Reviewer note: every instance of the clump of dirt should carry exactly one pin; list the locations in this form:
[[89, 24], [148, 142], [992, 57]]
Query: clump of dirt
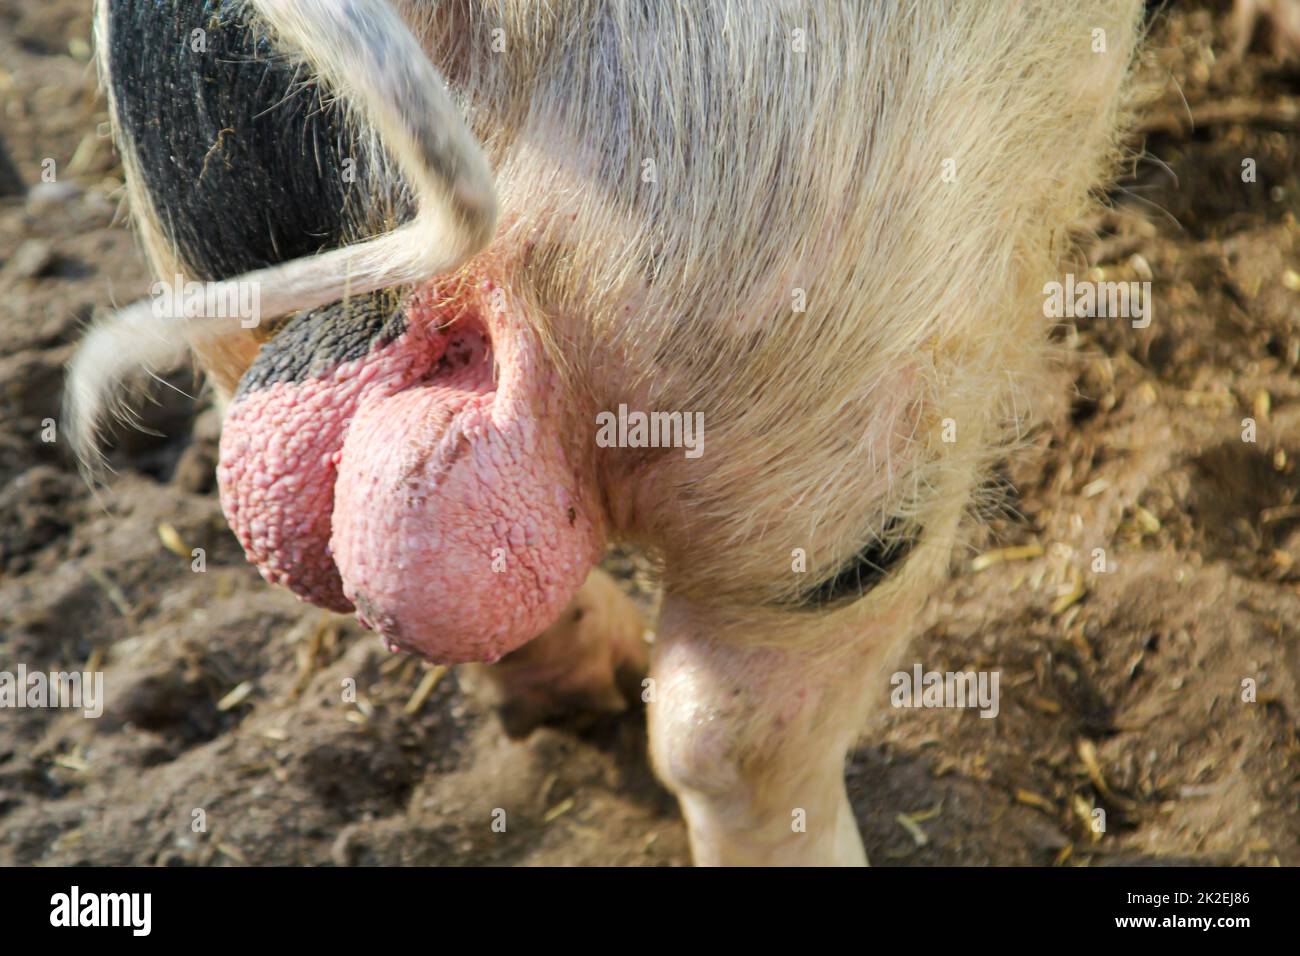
[[1147, 631]]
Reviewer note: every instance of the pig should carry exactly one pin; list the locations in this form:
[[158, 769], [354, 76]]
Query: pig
[[477, 229]]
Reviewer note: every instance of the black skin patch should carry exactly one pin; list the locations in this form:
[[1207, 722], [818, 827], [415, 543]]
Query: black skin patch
[[311, 344], [864, 571], [245, 163]]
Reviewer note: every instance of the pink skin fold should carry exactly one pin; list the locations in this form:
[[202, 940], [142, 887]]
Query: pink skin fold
[[426, 485]]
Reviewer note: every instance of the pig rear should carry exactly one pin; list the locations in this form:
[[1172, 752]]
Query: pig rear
[[755, 286]]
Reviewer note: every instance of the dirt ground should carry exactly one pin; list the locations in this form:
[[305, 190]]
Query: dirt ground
[[1121, 690]]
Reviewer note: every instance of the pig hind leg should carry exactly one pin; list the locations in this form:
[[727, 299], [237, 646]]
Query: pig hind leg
[[753, 739], [753, 712], [591, 661]]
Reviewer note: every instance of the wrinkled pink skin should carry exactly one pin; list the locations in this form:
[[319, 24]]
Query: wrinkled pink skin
[[418, 487], [279, 451]]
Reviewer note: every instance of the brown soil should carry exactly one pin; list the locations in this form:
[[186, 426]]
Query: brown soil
[[1128, 699]]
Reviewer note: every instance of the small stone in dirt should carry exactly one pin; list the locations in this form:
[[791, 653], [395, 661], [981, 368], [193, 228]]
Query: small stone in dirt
[[47, 197], [196, 469], [99, 205], [33, 259]]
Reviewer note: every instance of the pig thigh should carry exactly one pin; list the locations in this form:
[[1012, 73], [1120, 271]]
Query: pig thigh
[[833, 482]]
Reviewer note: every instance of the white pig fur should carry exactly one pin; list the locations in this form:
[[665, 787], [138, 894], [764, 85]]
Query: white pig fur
[[670, 180]]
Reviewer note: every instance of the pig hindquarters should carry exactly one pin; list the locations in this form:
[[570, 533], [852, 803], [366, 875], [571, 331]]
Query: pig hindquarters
[[819, 230]]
